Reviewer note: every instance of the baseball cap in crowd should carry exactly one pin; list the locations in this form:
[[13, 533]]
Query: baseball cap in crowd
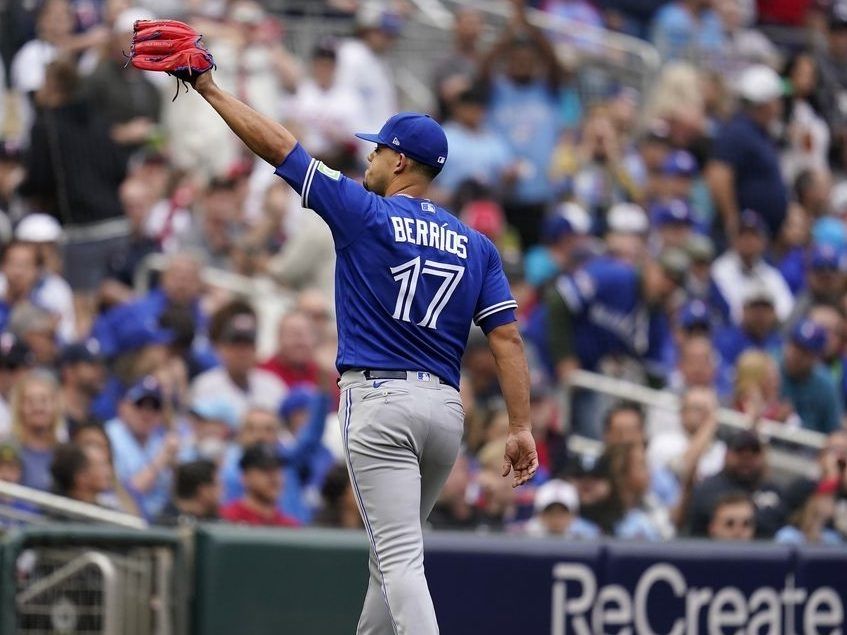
[[372, 14], [417, 135], [39, 228], [627, 218], [132, 332], [147, 388], [10, 151], [87, 351], [826, 257], [556, 492], [14, 353], [838, 198], [757, 293], [744, 440], [673, 212], [326, 48], [216, 409], [585, 465], [759, 84], [555, 226], [486, 217], [700, 248], [809, 336], [576, 215], [657, 131], [9, 453], [260, 456], [680, 163], [694, 314], [298, 397], [749, 220], [675, 263], [241, 329]]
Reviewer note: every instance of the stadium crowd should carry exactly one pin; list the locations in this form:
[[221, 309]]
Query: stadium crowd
[[692, 239]]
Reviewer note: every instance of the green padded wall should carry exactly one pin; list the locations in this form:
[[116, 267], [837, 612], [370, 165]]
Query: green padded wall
[[253, 581]]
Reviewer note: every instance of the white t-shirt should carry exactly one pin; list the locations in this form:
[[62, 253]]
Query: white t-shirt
[[30, 64], [733, 281], [370, 77], [667, 449], [326, 117], [265, 390]]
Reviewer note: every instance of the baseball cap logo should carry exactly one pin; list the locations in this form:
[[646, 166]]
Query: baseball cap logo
[[441, 160], [395, 141]]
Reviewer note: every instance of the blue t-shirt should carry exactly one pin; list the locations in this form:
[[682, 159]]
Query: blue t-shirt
[[35, 468], [815, 399], [409, 276], [754, 158], [526, 117], [609, 316], [474, 154], [678, 34]]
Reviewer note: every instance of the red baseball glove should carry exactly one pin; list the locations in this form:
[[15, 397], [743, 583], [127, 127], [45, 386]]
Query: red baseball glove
[[170, 46]]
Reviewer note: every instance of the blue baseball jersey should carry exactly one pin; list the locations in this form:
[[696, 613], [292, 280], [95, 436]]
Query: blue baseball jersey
[[409, 276], [610, 316]]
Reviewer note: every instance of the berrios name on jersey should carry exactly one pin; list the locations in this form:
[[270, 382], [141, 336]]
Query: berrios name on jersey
[[429, 234]]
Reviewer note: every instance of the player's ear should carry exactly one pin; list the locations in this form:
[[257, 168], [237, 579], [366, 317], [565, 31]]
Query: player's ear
[[401, 164]]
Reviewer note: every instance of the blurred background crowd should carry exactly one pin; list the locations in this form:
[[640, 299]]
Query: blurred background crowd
[[167, 331]]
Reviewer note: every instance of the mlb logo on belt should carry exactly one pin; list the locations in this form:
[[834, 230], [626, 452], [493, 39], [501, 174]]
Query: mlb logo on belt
[[423, 376]]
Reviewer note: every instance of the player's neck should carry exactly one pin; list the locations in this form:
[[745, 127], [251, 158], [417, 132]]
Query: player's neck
[[402, 187]]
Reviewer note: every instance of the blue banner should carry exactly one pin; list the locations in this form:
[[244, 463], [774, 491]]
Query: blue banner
[[503, 585]]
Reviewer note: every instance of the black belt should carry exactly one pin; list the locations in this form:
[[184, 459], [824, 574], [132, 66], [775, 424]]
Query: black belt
[[390, 374]]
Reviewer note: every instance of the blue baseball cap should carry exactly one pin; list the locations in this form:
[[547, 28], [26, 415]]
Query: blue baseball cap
[[749, 220], [147, 388], [826, 257], [830, 231], [680, 163], [86, 351], [216, 409], [809, 335], [693, 314], [298, 397], [417, 135], [674, 212], [555, 226]]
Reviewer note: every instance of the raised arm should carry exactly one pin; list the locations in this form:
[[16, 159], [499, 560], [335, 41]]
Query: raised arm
[[267, 138], [507, 346]]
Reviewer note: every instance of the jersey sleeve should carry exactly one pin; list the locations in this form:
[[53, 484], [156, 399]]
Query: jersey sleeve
[[578, 290], [495, 305], [343, 203]]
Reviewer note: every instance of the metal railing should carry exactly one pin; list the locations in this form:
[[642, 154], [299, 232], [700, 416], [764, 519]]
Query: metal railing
[[66, 507], [790, 449]]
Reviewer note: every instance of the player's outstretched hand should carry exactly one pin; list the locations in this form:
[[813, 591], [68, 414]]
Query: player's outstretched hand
[[521, 457]]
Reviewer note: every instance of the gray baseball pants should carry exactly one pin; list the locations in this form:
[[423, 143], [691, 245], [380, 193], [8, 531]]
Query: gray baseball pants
[[401, 438]]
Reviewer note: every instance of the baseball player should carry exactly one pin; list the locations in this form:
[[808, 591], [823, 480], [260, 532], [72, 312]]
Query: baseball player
[[410, 279]]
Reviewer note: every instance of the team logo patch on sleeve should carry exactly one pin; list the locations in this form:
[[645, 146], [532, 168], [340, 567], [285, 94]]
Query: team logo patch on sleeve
[[333, 174]]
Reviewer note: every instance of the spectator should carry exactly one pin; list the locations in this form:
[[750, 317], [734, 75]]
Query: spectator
[[15, 361], [523, 111], [145, 449], [476, 152], [806, 383], [262, 478], [82, 473], [362, 65], [674, 222], [453, 509], [833, 76], [733, 518], [687, 29], [20, 273], [813, 508], [323, 108], [744, 266], [455, 73], [757, 389], [196, 494], [697, 366], [213, 425], [55, 24], [638, 514], [559, 251], [294, 360], [744, 170], [825, 280], [758, 328], [691, 452], [37, 426], [581, 327], [833, 356], [339, 504], [38, 328], [129, 102], [745, 470], [832, 464], [51, 290], [557, 513], [82, 376], [69, 138], [239, 380], [806, 133]]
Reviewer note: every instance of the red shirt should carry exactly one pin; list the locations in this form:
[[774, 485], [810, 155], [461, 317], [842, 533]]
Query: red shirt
[[292, 375], [238, 512]]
